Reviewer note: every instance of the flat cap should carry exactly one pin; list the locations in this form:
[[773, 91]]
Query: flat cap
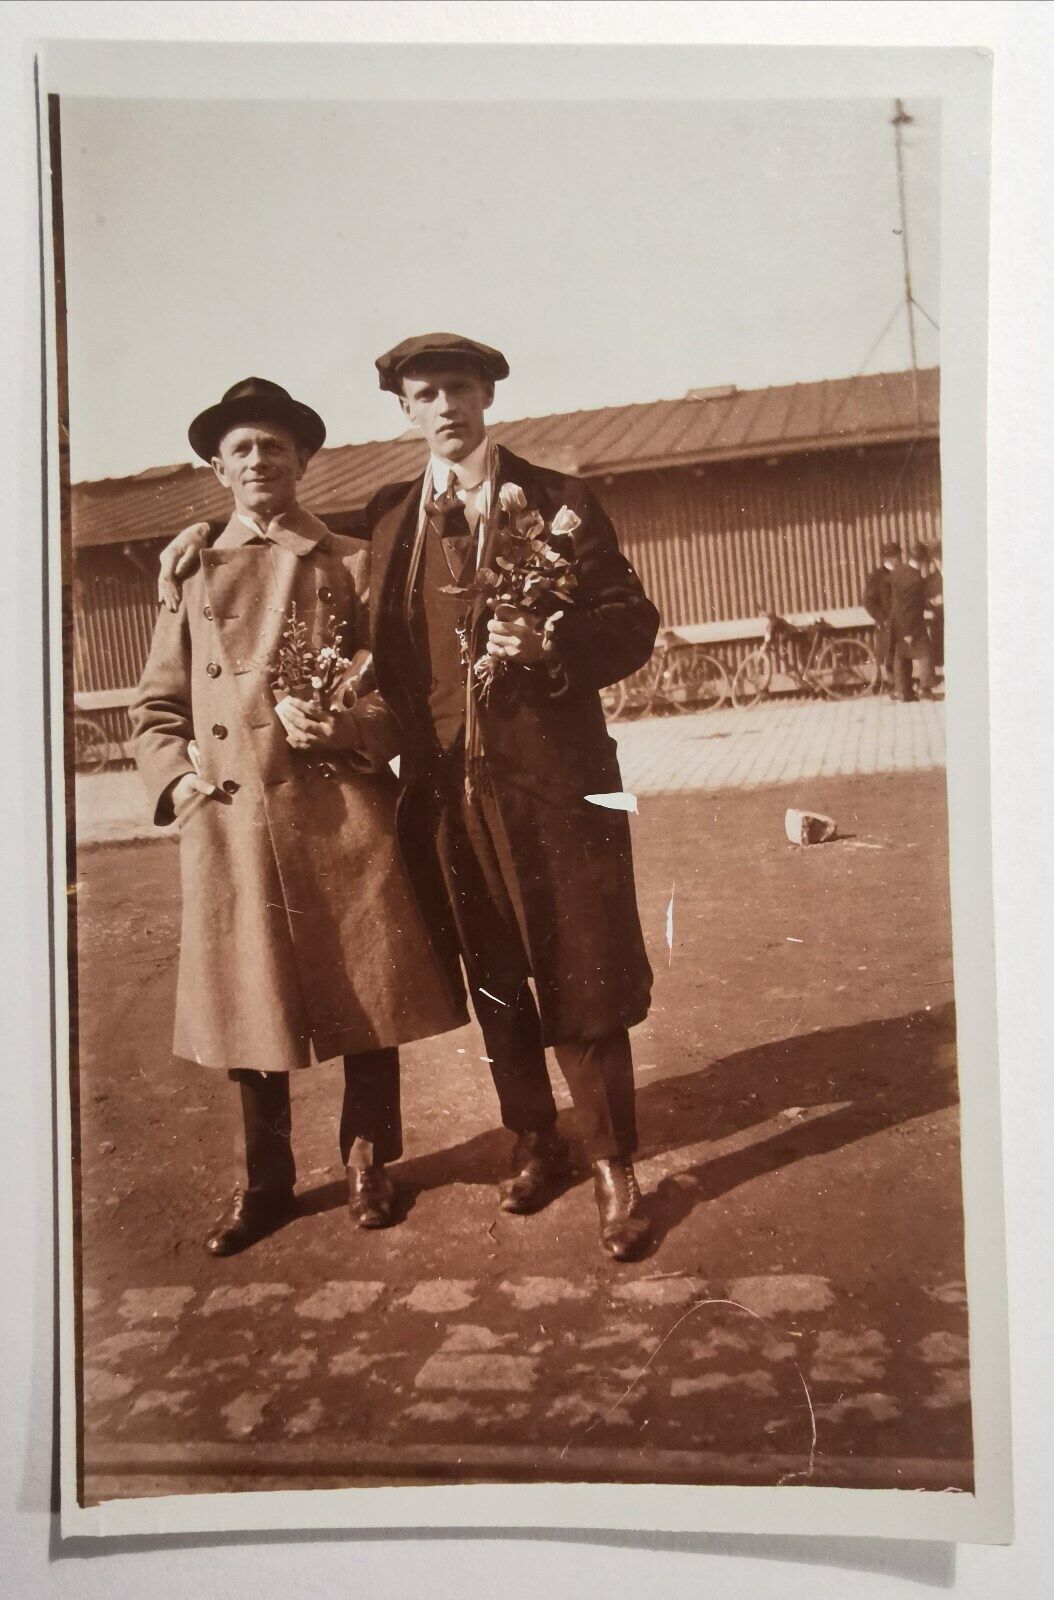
[[433, 348]]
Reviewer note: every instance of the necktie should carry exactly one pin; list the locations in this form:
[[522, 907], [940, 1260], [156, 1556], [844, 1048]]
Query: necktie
[[447, 515]]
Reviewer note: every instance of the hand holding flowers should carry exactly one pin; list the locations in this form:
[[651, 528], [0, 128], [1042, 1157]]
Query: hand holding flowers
[[531, 584], [320, 686]]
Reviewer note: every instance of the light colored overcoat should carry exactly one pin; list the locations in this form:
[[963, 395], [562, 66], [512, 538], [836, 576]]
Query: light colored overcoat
[[299, 928]]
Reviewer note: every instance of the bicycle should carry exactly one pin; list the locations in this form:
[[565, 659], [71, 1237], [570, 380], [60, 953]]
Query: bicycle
[[680, 676], [814, 658], [93, 749]]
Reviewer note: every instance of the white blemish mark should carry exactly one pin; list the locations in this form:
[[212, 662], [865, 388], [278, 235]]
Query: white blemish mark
[[490, 996], [792, 940], [614, 802], [788, 1476], [487, 1058], [669, 924]]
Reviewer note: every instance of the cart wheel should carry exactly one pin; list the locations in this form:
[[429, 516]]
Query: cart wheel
[[846, 668], [92, 745], [752, 679], [613, 698]]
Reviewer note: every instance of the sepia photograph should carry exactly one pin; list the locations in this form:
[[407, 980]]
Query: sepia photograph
[[508, 959]]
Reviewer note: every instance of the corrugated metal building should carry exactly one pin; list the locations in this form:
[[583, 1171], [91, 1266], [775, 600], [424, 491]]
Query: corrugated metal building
[[728, 503]]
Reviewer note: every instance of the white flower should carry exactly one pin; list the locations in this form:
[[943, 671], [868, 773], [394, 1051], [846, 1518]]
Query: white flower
[[531, 525], [316, 683], [512, 498], [566, 521]]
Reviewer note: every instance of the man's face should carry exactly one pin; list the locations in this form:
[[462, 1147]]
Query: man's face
[[261, 464], [447, 405]]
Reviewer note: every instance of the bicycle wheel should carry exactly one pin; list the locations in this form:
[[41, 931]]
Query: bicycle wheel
[[692, 680], [752, 679], [845, 669], [92, 746], [613, 698]]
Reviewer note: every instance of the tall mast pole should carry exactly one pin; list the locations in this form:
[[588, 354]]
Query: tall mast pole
[[901, 120]]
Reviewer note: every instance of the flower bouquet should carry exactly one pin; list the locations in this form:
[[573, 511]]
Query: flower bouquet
[[309, 672], [534, 571]]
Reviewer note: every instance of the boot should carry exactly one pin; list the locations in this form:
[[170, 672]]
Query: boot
[[540, 1161], [371, 1196], [624, 1229], [251, 1215]]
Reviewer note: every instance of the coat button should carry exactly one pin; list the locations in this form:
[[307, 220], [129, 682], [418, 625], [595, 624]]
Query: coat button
[[207, 613], [325, 594], [219, 731], [213, 669], [230, 786]]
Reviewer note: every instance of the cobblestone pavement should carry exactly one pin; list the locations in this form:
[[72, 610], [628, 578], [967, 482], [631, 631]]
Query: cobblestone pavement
[[801, 1315], [768, 1378], [779, 743], [728, 749]]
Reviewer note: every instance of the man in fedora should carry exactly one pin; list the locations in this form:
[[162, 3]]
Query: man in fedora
[[521, 877], [301, 936]]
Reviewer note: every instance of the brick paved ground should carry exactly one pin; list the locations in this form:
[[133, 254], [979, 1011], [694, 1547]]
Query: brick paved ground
[[802, 1316], [727, 749]]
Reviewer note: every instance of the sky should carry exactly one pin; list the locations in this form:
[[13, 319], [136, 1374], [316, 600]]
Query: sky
[[614, 252]]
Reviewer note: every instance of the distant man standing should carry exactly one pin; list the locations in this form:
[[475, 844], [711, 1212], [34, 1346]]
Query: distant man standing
[[910, 635], [935, 602], [877, 603], [528, 880]]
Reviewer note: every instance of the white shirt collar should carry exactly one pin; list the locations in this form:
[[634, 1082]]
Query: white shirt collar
[[470, 473]]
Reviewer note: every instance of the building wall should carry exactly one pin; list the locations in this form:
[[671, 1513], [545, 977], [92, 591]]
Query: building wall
[[715, 544], [738, 539]]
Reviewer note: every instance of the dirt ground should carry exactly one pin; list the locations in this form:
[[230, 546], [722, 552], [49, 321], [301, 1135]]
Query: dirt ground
[[798, 1121]]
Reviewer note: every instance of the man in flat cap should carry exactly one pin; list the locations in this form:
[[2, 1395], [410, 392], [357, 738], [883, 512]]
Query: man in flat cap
[[301, 936], [538, 879], [520, 875]]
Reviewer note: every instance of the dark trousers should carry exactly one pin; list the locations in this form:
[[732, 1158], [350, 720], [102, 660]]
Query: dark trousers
[[477, 867], [370, 1120], [906, 652]]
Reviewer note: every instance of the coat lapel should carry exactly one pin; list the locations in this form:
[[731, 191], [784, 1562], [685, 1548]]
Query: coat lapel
[[393, 537]]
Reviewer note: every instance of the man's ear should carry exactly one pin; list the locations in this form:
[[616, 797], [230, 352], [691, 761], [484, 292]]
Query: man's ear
[[221, 471], [302, 458], [489, 390], [405, 407]]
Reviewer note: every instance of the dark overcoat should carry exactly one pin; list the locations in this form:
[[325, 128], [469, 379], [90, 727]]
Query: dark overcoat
[[544, 753], [300, 929], [907, 605]]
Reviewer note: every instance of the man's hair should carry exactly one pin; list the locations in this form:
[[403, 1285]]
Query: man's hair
[[918, 552], [892, 552]]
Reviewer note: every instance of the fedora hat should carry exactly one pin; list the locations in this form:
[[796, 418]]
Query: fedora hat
[[435, 349], [256, 400]]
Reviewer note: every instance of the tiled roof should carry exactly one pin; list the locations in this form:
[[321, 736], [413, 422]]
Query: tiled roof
[[727, 425]]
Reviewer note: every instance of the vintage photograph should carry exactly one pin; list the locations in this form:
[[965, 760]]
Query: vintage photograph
[[510, 956]]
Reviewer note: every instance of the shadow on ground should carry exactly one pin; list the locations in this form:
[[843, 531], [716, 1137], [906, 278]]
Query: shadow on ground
[[873, 1075]]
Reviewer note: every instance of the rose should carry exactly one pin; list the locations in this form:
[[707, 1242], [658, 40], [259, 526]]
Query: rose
[[512, 498], [531, 525], [566, 522]]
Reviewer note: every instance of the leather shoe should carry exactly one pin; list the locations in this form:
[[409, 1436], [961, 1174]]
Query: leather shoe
[[371, 1196], [251, 1215], [624, 1229], [540, 1161]]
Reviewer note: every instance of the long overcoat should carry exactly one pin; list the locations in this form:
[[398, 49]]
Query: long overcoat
[[299, 926], [545, 751]]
